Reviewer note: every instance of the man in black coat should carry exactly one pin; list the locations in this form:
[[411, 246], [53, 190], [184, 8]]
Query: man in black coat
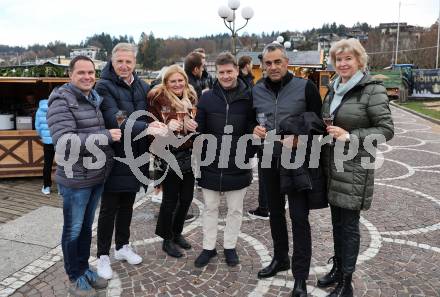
[[275, 98], [122, 90], [225, 111], [193, 66], [206, 80]]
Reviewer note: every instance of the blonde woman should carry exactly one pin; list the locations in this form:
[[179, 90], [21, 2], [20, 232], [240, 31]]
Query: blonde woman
[[355, 107], [172, 97]]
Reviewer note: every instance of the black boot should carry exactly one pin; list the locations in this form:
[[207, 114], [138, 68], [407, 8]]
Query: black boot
[[204, 257], [169, 247], [344, 288], [299, 288], [181, 241], [333, 276]]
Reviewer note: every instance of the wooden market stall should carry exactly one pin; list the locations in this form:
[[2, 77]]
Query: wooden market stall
[[21, 151], [305, 64]]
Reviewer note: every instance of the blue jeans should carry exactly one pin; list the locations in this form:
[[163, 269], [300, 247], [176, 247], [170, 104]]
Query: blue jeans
[[79, 207]]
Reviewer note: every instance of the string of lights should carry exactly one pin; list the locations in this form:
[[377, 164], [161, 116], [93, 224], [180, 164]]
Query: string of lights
[[405, 50]]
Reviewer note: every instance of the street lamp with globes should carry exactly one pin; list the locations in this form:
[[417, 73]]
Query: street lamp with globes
[[286, 44], [227, 13]]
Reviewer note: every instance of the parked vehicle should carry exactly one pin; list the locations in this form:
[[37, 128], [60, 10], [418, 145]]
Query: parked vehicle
[[397, 79]]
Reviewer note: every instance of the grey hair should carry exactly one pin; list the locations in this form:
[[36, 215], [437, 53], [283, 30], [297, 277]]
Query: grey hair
[[273, 47], [124, 47], [349, 45]]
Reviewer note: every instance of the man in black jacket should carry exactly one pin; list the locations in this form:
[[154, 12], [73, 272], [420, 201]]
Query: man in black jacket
[[123, 90], [76, 125], [193, 66], [206, 80], [277, 97], [226, 110]]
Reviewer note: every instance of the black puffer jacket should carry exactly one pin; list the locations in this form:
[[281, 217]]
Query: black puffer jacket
[[196, 83], [120, 96], [216, 109], [70, 112]]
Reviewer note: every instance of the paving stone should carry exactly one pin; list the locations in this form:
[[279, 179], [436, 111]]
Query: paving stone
[[399, 251]]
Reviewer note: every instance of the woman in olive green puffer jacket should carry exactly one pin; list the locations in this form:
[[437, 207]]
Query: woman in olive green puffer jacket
[[359, 108]]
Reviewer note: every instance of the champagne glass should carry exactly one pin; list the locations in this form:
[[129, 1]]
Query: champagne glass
[[328, 121], [180, 117], [193, 112], [121, 115], [165, 112], [262, 120]]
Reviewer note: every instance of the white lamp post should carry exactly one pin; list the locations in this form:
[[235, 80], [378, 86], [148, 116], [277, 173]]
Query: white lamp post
[[398, 31], [438, 36], [227, 13]]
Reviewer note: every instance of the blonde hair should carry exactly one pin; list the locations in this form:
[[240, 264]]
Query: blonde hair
[[350, 45], [189, 96]]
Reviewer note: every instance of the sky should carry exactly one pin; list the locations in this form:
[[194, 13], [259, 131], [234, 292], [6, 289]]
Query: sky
[[26, 22]]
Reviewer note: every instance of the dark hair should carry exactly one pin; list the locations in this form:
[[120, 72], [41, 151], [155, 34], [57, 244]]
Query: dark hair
[[225, 58], [273, 47], [192, 61], [243, 61], [79, 58], [199, 50]]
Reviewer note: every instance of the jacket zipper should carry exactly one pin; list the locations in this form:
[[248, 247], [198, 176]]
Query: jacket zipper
[[226, 122]]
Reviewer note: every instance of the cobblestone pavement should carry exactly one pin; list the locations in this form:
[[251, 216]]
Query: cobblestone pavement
[[400, 245]]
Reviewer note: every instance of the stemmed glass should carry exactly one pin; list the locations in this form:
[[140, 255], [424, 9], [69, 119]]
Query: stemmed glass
[[193, 112], [328, 121], [165, 112], [121, 115], [180, 117], [262, 120]]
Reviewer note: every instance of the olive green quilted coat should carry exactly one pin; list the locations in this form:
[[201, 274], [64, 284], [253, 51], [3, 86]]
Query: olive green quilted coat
[[364, 111]]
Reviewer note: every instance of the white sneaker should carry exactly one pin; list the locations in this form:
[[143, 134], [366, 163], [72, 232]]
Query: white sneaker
[[157, 198], [104, 269], [126, 253], [45, 190]]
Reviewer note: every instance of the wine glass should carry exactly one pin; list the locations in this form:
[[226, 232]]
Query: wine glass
[[328, 121], [180, 117], [262, 120], [121, 115], [165, 112], [193, 112]]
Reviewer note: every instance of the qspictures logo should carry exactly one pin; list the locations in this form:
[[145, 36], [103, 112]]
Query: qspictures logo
[[72, 150]]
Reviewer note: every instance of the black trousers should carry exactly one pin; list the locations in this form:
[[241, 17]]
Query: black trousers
[[49, 153], [262, 193], [177, 196], [299, 215], [115, 214], [346, 236]]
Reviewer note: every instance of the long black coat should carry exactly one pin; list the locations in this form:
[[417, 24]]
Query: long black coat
[[120, 96], [214, 111], [304, 178]]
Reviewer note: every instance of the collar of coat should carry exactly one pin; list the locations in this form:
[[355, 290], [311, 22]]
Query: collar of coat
[[241, 92], [109, 73], [366, 80]]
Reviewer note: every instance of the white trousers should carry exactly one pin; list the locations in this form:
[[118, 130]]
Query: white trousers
[[234, 200]]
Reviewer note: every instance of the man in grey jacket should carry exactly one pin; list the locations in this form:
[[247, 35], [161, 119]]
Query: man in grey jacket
[[275, 98], [84, 159]]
